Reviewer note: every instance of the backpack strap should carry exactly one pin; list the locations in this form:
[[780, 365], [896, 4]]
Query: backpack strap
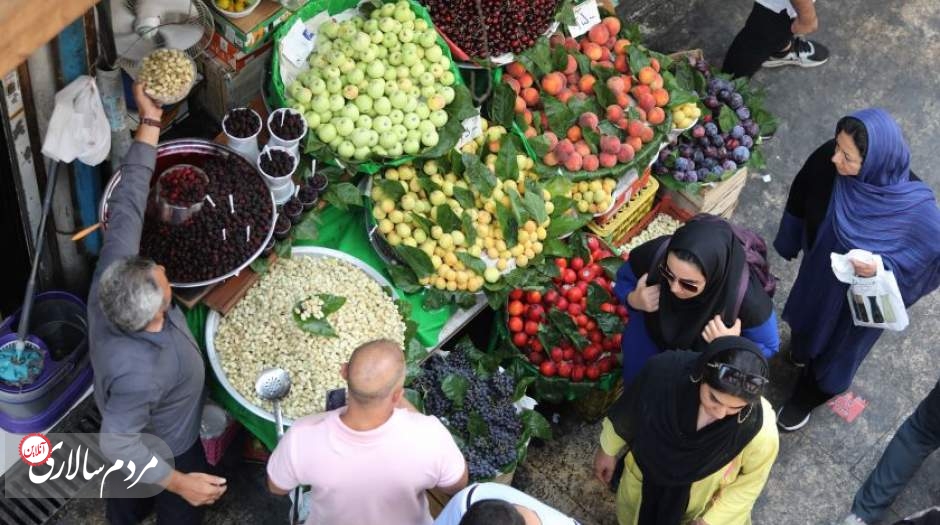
[[661, 251], [742, 290]]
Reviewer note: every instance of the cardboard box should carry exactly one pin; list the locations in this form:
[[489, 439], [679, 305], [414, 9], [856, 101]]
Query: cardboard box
[[229, 53], [225, 88], [248, 34]]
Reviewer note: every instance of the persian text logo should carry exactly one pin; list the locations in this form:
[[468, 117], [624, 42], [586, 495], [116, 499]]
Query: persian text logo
[[89, 466]]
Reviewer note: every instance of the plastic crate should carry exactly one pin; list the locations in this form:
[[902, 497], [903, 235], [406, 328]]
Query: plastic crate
[[628, 214], [666, 206]]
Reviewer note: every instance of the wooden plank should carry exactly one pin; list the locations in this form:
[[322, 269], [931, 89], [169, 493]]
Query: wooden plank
[[26, 25]]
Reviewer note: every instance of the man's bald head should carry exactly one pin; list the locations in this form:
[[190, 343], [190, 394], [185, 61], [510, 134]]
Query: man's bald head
[[374, 371]]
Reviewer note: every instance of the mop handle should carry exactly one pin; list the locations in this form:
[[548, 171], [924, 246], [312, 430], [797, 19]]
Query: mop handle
[[53, 169]]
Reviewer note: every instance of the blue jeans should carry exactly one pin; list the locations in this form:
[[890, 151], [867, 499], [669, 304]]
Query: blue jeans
[[917, 438]]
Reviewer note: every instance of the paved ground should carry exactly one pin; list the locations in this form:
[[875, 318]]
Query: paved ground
[[884, 54]]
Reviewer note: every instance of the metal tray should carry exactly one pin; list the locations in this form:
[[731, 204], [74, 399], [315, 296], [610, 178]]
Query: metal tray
[[214, 318]]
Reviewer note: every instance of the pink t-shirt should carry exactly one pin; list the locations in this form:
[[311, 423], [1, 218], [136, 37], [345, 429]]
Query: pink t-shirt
[[373, 477]]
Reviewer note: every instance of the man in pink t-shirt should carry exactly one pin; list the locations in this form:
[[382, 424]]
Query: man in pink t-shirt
[[371, 461]]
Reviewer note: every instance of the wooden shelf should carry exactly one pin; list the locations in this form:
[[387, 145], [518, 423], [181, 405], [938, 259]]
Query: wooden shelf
[[26, 25]]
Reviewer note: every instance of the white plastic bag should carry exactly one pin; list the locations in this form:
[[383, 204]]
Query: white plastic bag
[[78, 127], [874, 301]]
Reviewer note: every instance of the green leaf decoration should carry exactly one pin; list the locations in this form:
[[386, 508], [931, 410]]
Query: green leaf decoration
[[584, 63], [427, 184], [479, 176], [319, 325], [556, 247], [638, 58], [558, 186], [559, 58], [419, 261], [610, 324], [476, 427], [565, 14], [435, 299], [446, 218], [533, 202], [507, 167], [455, 388], [537, 59], [415, 399], [459, 109], [521, 385], [592, 138], [392, 189], [607, 127], [727, 119], [605, 97], [578, 106], [259, 265], [283, 249], [475, 264], [404, 278], [503, 104], [343, 195], [464, 197], [561, 226], [421, 222], [469, 230], [307, 229], [611, 265], [596, 296], [518, 210], [536, 425], [508, 224], [560, 117], [539, 145], [568, 328]]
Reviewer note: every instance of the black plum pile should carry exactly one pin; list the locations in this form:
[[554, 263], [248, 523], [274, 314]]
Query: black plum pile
[[277, 163], [485, 424], [214, 241], [503, 27], [288, 128], [242, 123]]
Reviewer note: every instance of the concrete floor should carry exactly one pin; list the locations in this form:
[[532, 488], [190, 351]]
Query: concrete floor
[[883, 54]]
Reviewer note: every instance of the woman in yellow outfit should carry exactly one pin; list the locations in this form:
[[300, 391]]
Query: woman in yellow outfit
[[701, 439]]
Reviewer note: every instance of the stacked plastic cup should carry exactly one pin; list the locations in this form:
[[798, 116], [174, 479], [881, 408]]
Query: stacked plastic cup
[[292, 144], [282, 186], [246, 146]]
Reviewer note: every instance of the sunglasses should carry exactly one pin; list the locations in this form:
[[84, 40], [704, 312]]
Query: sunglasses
[[671, 277], [729, 375]]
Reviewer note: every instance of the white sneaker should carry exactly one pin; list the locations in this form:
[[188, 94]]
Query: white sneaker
[[852, 519], [802, 52]]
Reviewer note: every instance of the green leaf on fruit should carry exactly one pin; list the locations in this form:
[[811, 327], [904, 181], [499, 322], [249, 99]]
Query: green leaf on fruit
[[609, 323], [539, 145], [611, 265], [318, 325], [591, 138], [521, 385], [343, 195], [404, 279], [756, 160], [475, 264], [558, 186], [392, 189], [446, 218], [638, 58], [469, 230], [560, 117], [477, 427], [503, 104], [435, 299], [727, 119], [455, 388], [549, 269], [631, 32], [533, 202], [596, 296], [602, 73], [556, 247], [495, 299], [416, 259], [561, 226], [540, 56], [584, 63], [259, 265], [515, 205], [463, 299], [605, 97], [427, 184], [565, 14], [566, 325], [479, 176], [579, 106], [559, 58], [507, 167], [536, 425], [608, 128], [422, 222]]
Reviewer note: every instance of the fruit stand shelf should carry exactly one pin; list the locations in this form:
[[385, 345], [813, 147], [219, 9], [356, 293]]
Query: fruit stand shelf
[[28, 24]]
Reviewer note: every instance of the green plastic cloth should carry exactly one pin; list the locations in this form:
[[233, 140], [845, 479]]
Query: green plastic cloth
[[344, 231]]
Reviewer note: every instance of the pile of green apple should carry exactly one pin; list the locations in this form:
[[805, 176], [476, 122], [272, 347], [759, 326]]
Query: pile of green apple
[[376, 86]]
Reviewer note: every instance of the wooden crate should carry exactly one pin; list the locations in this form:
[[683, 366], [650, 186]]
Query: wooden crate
[[437, 500], [720, 199]]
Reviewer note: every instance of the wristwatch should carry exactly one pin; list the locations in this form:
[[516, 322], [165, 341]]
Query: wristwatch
[[151, 122]]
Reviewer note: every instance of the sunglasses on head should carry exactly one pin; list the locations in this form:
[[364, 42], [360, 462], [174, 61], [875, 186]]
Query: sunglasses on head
[[729, 375], [671, 277]]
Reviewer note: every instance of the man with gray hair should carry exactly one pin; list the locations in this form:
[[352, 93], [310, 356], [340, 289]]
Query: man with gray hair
[[149, 374], [370, 462]]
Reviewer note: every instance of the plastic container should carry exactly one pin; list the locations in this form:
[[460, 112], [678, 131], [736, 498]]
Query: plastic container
[[216, 431], [277, 181], [176, 214], [235, 15], [283, 193], [246, 146], [183, 93], [293, 145]]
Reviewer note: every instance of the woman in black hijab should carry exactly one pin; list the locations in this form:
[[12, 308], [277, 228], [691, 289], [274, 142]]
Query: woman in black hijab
[[688, 290], [701, 439]]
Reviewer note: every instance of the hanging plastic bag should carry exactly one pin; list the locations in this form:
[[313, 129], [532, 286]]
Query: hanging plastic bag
[[874, 301], [78, 127]]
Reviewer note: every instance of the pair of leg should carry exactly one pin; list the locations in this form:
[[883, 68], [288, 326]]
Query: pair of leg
[[171, 509], [766, 41], [917, 438]]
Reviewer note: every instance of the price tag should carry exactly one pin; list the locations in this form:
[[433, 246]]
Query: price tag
[[586, 16], [297, 44], [503, 59], [313, 167], [472, 128]]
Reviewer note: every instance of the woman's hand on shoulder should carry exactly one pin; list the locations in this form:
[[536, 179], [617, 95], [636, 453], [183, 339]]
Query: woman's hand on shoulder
[[644, 298], [716, 328]]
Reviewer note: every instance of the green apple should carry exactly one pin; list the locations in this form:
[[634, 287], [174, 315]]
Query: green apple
[[400, 132], [420, 52], [396, 115], [411, 105], [389, 26], [334, 144], [334, 85], [411, 121], [347, 30], [346, 149], [327, 132], [430, 138], [445, 62], [381, 53], [350, 111], [377, 37], [448, 78], [376, 88], [388, 140], [326, 116], [437, 70], [360, 138], [373, 137], [362, 153], [388, 9], [382, 124], [350, 92], [406, 84], [448, 93], [396, 151], [329, 29], [337, 102], [411, 147], [298, 107], [417, 69], [408, 59], [420, 24], [424, 127], [402, 72], [317, 86], [433, 54], [313, 119], [382, 106], [361, 42], [413, 134], [364, 103], [426, 79], [438, 118], [375, 69], [331, 72], [395, 58], [427, 38], [428, 91], [355, 76], [423, 111], [317, 61], [403, 12], [436, 102], [344, 126], [370, 25], [364, 122]]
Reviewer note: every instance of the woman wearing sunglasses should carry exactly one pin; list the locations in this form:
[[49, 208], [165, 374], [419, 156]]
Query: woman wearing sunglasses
[[700, 437], [683, 292], [856, 191]]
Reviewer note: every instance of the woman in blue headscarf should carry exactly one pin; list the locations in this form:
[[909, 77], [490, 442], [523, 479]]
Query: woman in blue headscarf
[[855, 191]]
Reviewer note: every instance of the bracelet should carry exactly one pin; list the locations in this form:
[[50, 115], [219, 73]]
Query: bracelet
[[151, 122]]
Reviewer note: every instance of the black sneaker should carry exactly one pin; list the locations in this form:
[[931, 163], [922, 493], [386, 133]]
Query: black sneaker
[[791, 419], [802, 52]]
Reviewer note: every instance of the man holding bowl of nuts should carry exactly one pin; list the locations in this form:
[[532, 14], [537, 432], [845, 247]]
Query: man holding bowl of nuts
[[149, 373]]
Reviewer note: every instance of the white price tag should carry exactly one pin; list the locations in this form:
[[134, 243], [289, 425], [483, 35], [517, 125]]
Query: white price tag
[[472, 128], [503, 59], [297, 44], [313, 167], [586, 16]]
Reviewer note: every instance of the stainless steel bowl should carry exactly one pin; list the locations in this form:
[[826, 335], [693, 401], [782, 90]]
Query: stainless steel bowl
[[193, 151]]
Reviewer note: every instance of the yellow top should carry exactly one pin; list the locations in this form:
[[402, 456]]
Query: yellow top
[[723, 498]]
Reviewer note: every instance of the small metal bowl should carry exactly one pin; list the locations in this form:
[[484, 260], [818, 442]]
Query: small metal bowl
[[172, 213]]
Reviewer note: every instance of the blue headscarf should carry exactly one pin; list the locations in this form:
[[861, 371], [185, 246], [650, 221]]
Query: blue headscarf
[[883, 211]]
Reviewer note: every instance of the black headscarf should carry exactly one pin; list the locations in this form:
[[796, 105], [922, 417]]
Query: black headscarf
[[679, 322], [657, 417]]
